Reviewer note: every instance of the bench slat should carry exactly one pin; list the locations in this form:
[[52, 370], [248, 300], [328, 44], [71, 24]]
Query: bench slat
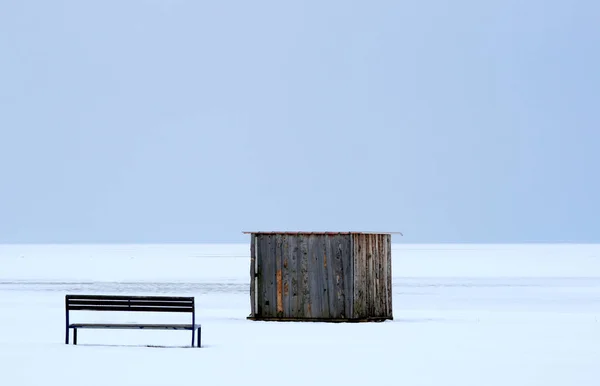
[[136, 326], [124, 297], [130, 309], [169, 303]]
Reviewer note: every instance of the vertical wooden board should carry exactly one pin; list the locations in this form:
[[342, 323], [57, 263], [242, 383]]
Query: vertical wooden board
[[387, 282], [278, 257], [370, 276], [366, 273], [375, 267], [252, 278], [354, 259], [259, 274], [263, 275], [380, 285], [364, 248], [380, 277], [367, 277], [333, 274], [323, 277], [319, 296], [337, 275], [360, 277], [293, 299], [384, 294], [268, 276], [328, 262], [369, 271], [313, 277], [380, 282], [285, 268], [304, 306], [347, 256], [356, 308], [273, 274], [389, 276]]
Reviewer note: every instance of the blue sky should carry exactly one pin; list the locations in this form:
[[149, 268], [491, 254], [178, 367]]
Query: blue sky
[[191, 121]]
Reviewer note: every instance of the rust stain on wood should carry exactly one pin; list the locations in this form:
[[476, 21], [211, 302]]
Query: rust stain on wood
[[279, 292], [285, 263], [325, 259]]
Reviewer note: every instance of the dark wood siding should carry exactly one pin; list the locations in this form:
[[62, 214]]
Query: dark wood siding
[[320, 276], [372, 276]]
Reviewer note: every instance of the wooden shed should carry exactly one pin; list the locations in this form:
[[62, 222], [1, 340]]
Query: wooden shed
[[320, 276]]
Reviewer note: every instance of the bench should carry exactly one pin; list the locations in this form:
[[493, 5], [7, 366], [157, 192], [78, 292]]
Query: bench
[[131, 304]]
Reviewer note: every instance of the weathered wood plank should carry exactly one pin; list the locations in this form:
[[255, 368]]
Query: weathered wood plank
[[324, 279], [384, 276], [260, 291], [330, 276], [347, 256], [382, 284], [336, 249], [389, 276], [365, 275], [314, 284], [380, 295], [273, 275], [278, 257], [268, 276], [370, 275], [373, 273], [361, 284], [285, 255], [388, 283], [312, 277], [260, 276], [375, 298], [293, 277], [356, 310], [321, 272], [304, 306]]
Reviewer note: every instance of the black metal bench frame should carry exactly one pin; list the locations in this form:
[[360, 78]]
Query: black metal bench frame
[[131, 304]]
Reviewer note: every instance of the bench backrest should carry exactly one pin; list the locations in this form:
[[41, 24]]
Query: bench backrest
[[129, 303]]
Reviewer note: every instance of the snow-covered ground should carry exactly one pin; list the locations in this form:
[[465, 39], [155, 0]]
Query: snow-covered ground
[[463, 315]]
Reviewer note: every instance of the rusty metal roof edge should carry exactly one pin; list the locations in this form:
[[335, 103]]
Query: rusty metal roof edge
[[321, 232]]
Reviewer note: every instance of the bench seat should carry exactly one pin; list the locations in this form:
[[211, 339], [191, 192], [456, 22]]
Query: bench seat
[[137, 325]]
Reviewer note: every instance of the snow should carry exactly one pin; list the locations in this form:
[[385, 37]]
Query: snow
[[463, 315]]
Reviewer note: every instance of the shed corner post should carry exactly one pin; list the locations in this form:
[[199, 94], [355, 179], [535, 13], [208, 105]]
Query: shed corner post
[[253, 270], [390, 282]]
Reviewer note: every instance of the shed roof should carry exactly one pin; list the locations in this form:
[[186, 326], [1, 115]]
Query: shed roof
[[320, 232]]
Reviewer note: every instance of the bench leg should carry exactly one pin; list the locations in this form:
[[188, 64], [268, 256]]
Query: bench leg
[[74, 336], [199, 334], [67, 336]]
